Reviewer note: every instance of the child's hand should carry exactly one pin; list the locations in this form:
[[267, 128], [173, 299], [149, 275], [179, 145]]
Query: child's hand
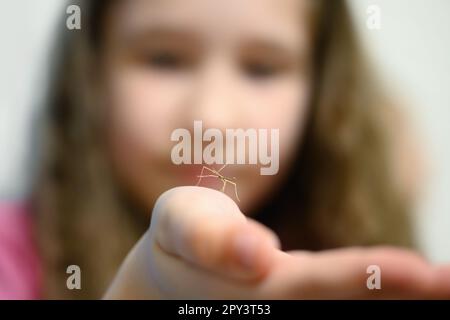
[[201, 246]]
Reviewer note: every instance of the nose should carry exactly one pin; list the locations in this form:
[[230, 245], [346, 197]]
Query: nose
[[214, 97]]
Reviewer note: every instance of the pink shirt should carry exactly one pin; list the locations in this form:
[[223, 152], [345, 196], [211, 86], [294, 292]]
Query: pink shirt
[[20, 274]]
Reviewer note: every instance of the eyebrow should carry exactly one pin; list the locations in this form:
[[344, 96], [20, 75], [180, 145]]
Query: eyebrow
[[271, 47], [159, 33], [266, 43]]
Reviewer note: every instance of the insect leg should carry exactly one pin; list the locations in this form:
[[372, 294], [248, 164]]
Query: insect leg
[[235, 189], [200, 176], [222, 167]]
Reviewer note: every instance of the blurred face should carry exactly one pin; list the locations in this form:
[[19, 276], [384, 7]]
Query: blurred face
[[231, 64]]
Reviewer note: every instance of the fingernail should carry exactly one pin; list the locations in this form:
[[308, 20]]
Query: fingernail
[[246, 250]]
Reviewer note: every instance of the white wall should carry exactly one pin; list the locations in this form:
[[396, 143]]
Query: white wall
[[413, 48], [26, 29]]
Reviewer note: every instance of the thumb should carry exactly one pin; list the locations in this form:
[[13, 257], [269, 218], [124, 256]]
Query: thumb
[[206, 228]]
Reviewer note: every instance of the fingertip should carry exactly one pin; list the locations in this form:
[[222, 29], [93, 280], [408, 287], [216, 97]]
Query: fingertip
[[442, 281], [253, 248], [246, 250]]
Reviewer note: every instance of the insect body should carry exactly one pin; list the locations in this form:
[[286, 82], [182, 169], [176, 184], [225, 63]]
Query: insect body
[[216, 174]]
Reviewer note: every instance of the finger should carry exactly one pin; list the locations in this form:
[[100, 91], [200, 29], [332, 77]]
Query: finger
[[343, 274], [175, 278], [206, 228]]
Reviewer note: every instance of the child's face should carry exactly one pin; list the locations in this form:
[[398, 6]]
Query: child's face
[[232, 64]]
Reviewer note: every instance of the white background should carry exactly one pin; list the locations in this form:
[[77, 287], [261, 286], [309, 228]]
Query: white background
[[412, 49]]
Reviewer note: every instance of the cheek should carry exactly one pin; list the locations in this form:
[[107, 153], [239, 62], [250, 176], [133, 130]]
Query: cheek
[[292, 117], [141, 113], [282, 106], [142, 110]]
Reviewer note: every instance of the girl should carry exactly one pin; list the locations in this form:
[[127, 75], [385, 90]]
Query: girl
[[139, 70]]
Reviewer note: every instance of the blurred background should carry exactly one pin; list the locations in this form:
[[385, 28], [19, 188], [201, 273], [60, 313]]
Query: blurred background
[[411, 50]]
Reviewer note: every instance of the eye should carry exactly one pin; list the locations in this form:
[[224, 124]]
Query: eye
[[260, 70], [166, 60]]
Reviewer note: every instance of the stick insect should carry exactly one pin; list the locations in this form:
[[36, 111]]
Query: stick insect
[[218, 175]]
